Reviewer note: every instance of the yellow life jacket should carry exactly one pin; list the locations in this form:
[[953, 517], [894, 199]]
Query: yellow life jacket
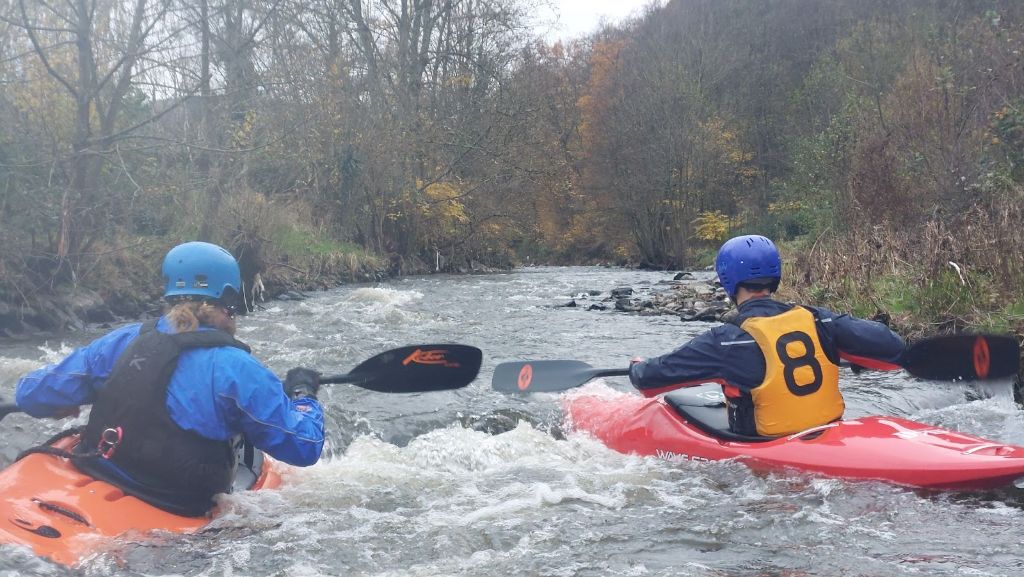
[[801, 385]]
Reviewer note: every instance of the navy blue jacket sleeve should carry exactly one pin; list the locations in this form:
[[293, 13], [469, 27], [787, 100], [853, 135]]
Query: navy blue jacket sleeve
[[724, 355], [869, 344]]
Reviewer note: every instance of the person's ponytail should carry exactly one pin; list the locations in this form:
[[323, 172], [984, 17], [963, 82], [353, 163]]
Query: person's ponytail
[[187, 316]]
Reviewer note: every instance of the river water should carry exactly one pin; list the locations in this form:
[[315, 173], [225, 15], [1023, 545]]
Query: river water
[[477, 483]]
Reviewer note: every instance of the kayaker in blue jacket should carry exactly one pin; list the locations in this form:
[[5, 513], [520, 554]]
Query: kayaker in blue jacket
[[171, 398], [778, 364]]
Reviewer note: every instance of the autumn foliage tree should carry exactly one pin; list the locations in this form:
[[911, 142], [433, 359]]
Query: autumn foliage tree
[[447, 135], [88, 52]]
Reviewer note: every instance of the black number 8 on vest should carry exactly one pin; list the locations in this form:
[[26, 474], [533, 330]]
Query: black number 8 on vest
[[792, 363]]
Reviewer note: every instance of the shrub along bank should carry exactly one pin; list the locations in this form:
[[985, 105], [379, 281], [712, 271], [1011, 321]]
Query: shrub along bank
[[935, 282], [122, 280]]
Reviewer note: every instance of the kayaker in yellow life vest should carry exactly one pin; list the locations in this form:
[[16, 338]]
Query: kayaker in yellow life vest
[[778, 364]]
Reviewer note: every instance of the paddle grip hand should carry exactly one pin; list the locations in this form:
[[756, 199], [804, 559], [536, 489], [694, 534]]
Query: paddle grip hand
[[300, 382]]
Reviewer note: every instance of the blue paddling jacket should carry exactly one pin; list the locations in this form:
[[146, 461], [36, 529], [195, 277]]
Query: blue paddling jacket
[[217, 393], [731, 356]]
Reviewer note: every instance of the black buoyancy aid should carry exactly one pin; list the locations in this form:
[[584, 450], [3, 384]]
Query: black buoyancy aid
[[801, 384], [178, 469]]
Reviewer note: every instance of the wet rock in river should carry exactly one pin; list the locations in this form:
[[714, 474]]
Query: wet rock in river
[[684, 296]]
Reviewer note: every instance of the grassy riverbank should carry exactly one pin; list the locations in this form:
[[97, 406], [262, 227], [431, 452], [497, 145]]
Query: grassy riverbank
[[924, 284]]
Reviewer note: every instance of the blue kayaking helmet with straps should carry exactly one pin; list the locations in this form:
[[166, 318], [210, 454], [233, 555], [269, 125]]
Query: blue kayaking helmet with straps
[[748, 259], [201, 269]]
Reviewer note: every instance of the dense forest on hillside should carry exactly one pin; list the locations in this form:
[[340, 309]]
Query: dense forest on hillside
[[321, 140]]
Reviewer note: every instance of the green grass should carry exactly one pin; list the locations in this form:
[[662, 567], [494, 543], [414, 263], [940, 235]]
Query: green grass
[[919, 304], [302, 243], [1008, 319]]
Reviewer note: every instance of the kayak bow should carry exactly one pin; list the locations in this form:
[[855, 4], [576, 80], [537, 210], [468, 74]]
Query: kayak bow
[[64, 515]]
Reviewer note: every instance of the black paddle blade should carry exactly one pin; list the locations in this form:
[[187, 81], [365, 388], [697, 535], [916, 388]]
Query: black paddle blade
[[546, 376], [415, 369], [963, 357]]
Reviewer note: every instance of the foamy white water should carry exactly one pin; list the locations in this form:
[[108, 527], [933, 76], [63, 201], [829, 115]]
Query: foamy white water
[[415, 485]]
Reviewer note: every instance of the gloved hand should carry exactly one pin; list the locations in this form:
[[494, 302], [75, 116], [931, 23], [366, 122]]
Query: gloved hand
[[300, 382]]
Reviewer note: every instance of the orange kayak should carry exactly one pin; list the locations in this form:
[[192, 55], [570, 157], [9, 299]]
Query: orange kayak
[[64, 515]]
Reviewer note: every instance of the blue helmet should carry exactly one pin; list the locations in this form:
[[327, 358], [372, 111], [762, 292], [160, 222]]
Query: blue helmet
[[201, 269], [747, 258]]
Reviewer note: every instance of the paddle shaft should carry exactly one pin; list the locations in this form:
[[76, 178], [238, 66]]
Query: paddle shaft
[[598, 373], [940, 358]]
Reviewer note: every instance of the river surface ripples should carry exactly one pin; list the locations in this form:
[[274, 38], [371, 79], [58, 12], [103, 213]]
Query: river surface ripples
[[477, 483]]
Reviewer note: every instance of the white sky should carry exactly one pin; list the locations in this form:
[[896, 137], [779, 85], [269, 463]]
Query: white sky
[[575, 18]]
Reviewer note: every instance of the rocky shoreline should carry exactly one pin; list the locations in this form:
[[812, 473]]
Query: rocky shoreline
[[67, 310], [684, 296], [72, 309]]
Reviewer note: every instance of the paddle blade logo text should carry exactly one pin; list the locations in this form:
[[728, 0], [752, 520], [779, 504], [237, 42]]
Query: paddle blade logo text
[[982, 357], [434, 357], [525, 377]]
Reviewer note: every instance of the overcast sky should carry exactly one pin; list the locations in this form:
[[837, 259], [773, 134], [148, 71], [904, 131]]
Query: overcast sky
[[579, 17]]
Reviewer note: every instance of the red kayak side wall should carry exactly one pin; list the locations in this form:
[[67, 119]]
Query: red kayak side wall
[[872, 448]]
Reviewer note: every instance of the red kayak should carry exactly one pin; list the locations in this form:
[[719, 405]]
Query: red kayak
[[64, 515], [692, 424]]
